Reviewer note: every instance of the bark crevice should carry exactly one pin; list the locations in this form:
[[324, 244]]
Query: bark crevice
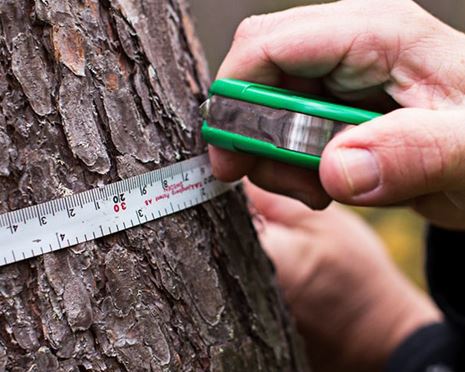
[[91, 92]]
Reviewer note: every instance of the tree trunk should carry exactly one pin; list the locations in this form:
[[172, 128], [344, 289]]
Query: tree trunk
[[96, 91]]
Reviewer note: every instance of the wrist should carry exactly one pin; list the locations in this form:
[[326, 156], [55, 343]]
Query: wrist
[[391, 317]]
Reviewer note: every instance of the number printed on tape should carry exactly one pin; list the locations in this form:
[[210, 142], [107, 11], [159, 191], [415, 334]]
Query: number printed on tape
[[89, 215]]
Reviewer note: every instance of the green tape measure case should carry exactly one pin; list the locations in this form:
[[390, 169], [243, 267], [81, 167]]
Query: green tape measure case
[[274, 123]]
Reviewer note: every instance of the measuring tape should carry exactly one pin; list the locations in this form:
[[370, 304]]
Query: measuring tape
[[99, 212]]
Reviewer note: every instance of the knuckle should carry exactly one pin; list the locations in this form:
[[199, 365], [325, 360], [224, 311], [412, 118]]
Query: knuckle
[[250, 26], [413, 148], [433, 162], [431, 148]]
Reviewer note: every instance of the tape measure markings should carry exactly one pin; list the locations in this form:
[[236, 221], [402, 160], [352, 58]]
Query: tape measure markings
[[102, 211]]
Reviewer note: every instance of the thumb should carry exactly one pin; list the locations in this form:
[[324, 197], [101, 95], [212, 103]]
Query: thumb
[[396, 157]]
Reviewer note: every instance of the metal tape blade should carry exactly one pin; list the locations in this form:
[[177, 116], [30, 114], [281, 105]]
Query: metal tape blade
[[286, 129], [99, 212]]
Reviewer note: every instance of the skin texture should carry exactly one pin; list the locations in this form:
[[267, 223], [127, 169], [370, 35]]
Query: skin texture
[[352, 304], [411, 156]]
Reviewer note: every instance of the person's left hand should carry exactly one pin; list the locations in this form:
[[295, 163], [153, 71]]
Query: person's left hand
[[352, 305]]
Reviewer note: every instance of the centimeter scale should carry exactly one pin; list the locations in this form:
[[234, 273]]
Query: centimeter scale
[[92, 214], [239, 116]]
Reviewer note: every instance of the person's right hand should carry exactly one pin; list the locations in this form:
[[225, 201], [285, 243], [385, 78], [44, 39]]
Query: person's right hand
[[366, 52]]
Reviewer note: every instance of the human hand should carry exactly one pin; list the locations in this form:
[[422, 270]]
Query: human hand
[[365, 52], [352, 305]]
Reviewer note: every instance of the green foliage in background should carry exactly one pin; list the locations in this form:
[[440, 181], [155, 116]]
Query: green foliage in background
[[403, 232]]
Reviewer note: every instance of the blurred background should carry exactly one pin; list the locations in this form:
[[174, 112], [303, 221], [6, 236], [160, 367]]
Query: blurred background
[[216, 22]]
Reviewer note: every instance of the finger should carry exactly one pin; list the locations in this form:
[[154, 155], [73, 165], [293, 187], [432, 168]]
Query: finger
[[275, 208], [265, 46], [293, 256], [440, 210], [319, 40], [298, 183], [399, 156], [230, 166], [457, 198]]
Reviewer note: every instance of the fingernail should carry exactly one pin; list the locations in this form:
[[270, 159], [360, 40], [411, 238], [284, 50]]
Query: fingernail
[[360, 168]]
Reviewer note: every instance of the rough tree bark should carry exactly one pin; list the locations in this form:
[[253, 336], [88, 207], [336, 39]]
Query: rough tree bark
[[95, 91]]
